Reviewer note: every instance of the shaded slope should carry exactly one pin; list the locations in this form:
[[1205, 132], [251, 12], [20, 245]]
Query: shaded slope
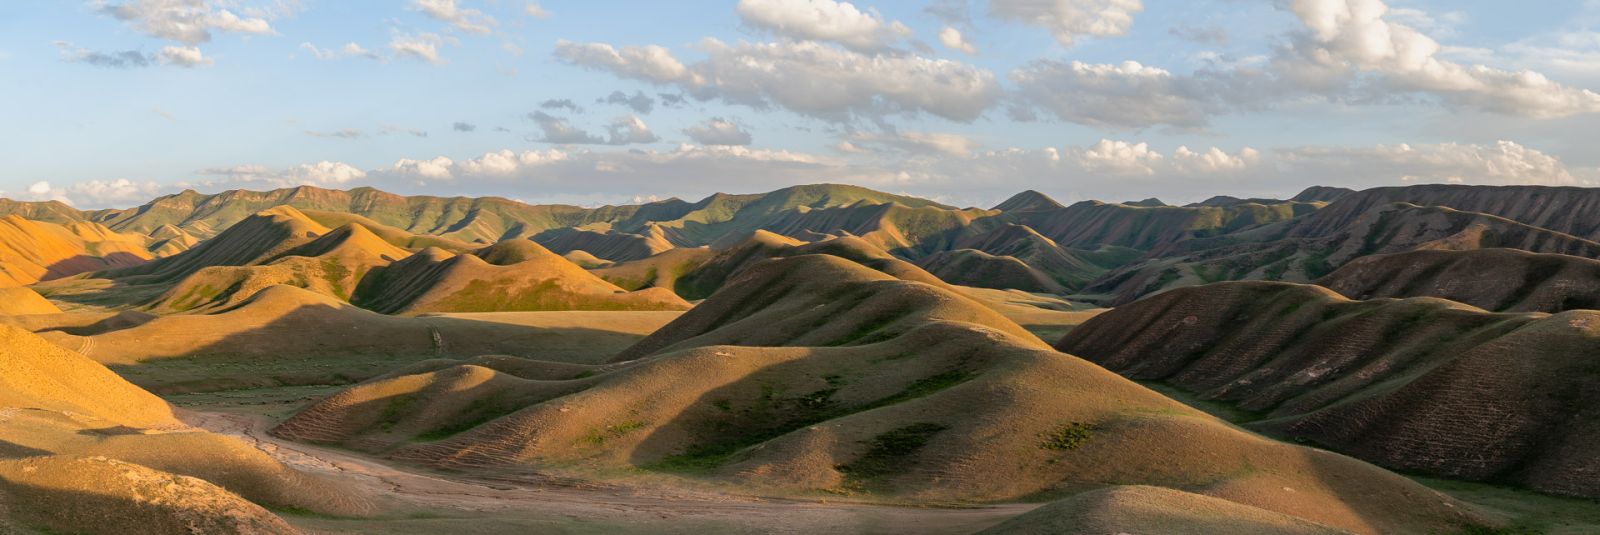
[[533, 278], [969, 267], [1093, 224], [916, 393], [1423, 385], [1567, 210], [1298, 251], [1492, 279], [662, 270]]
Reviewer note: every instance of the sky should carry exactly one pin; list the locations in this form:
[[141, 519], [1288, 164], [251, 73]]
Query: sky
[[108, 103]]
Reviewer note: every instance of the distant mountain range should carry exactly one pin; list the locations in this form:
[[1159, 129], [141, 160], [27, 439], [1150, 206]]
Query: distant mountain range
[[1107, 253]]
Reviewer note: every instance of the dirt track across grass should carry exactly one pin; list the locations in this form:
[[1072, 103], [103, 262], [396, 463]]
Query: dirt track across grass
[[426, 502]]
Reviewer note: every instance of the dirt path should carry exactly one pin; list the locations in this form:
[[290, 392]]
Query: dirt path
[[539, 502]]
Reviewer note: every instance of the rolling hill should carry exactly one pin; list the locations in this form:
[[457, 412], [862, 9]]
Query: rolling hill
[[69, 424], [847, 380], [1422, 385], [1492, 279], [512, 275], [33, 251]]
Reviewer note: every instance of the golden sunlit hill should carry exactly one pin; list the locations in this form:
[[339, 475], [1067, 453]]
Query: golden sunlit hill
[[333, 264], [32, 251], [17, 301], [70, 426], [815, 376], [509, 276]]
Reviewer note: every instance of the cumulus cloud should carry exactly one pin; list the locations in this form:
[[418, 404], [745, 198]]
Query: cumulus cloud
[[1068, 20], [911, 142], [558, 130], [178, 56], [422, 46], [1354, 36], [323, 173], [1347, 51], [1502, 163], [533, 9], [94, 193], [182, 56], [563, 103], [805, 77], [629, 130], [1108, 169], [823, 20], [1127, 95], [465, 19], [115, 60], [436, 168], [718, 131], [651, 63], [639, 102], [187, 21], [952, 39]]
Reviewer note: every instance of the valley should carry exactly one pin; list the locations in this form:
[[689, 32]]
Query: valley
[[824, 359]]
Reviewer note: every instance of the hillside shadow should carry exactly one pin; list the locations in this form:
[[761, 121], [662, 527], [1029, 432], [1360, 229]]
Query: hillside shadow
[[81, 264], [12, 450], [337, 345]]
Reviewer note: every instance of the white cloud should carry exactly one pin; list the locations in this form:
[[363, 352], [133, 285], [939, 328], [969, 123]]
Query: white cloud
[[437, 168], [629, 130], [186, 21], [1110, 169], [558, 130], [465, 19], [1215, 159], [1069, 19], [805, 77], [323, 173], [536, 11], [182, 56], [1349, 36], [95, 193], [823, 20], [650, 63], [423, 46], [1128, 95], [1503, 163], [912, 142], [718, 131], [1119, 157], [1347, 52], [952, 39]]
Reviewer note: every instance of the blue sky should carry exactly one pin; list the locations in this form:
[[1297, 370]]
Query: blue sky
[[110, 102]]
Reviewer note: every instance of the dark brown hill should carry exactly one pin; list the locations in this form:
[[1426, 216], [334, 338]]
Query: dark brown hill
[[1288, 252], [1421, 385], [1492, 279]]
